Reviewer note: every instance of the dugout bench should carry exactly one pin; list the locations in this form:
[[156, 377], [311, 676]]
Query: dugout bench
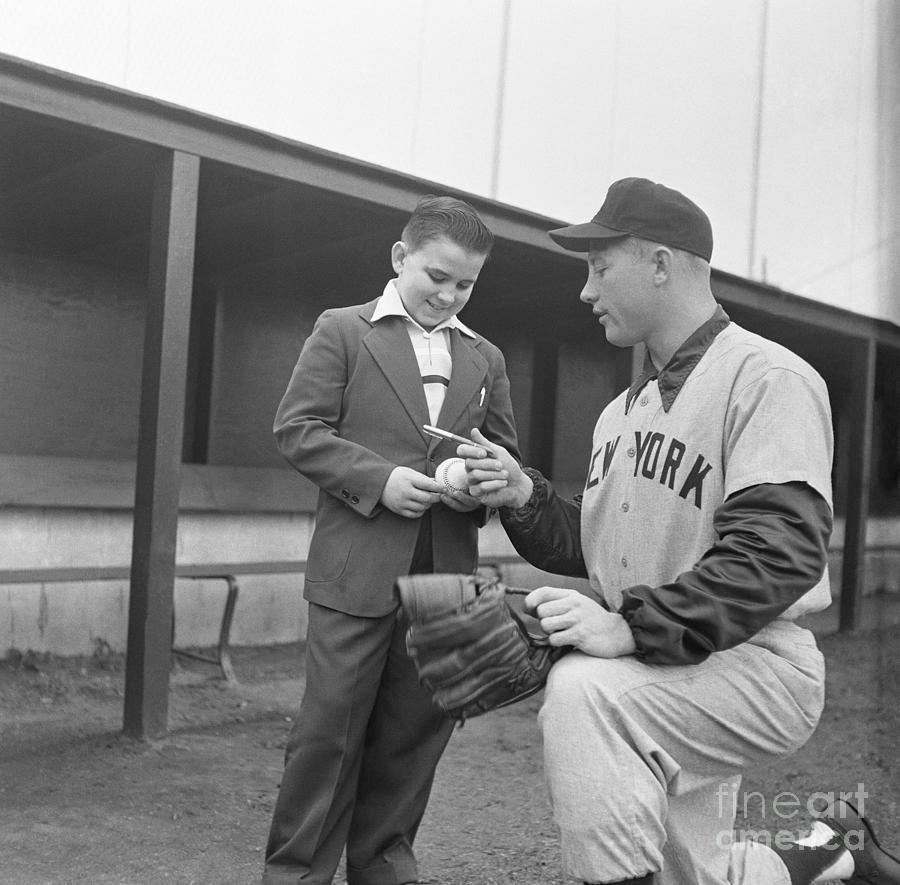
[[222, 571]]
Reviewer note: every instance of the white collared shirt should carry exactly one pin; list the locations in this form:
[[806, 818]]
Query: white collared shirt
[[432, 348]]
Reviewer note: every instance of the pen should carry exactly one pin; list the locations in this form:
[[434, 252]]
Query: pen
[[452, 437]]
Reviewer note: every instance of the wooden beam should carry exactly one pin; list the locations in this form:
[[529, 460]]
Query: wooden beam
[[63, 96], [170, 281], [37, 89], [805, 312], [80, 573], [860, 407]]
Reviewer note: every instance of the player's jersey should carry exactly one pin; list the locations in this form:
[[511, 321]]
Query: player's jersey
[[750, 412]]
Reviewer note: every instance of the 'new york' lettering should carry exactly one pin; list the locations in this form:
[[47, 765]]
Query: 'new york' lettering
[[656, 459], [608, 451]]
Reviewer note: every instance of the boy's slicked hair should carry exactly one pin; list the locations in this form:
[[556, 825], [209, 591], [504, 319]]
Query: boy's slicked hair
[[436, 217]]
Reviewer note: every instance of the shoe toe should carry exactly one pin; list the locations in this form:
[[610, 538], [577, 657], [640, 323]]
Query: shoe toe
[[874, 865]]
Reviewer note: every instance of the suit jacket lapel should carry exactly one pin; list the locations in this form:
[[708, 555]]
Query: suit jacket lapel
[[388, 342]]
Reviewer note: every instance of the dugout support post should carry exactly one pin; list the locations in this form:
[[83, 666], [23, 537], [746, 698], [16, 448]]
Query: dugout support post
[[860, 406], [158, 472]]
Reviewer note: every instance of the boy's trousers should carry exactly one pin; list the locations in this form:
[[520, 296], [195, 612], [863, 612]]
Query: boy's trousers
[[360, 759], [643, 761]]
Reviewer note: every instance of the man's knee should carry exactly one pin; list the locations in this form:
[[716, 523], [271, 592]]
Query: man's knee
[[579, 681]]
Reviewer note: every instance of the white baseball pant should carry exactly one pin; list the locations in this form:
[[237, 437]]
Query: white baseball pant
[[644, 761]]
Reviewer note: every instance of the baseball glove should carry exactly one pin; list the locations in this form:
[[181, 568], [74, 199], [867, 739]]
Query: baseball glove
[[474, 645]]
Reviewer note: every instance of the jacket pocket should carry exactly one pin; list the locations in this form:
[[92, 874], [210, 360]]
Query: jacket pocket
[[327, 562]]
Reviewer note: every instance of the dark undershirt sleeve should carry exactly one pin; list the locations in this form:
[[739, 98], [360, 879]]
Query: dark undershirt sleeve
[[771, 549], [546, 531]]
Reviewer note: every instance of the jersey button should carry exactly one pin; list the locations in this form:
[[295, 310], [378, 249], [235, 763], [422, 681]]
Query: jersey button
[[624, 562], [644, 400], [625, 506], [630, 452]]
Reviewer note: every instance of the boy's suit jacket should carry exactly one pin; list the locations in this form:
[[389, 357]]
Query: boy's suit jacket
[[352, 412]]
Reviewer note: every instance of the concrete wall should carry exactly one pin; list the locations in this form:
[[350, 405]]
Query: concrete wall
[[70, 346], [882, 560], [72, 618], [263, 319], [78, 618]]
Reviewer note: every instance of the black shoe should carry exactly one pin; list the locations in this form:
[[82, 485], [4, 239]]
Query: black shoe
[[874, 865]]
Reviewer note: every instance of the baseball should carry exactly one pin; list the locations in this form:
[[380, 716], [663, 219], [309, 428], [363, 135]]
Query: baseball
[[452, 473]]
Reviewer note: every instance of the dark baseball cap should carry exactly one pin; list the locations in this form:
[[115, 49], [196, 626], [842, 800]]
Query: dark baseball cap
[[636, 207]]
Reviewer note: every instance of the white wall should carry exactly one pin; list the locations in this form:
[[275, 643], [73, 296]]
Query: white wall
[[593, 90], [77, 618], [82, 618], [73, 618]]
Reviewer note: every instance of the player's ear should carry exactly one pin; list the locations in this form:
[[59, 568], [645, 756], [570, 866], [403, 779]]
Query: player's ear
[[662, 264], [399, 251]]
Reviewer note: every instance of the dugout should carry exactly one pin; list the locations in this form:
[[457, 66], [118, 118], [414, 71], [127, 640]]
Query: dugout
[[160, 270]]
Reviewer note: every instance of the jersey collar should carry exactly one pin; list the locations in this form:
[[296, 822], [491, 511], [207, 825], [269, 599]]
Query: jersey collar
[[675, 372]]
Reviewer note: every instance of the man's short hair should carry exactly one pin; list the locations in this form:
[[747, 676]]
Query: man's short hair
[[436, 217], [641, 248]]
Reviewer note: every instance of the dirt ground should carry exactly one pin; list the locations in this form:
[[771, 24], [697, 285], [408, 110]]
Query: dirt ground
[[81, 804]]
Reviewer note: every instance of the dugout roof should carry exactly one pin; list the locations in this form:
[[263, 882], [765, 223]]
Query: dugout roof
[[103, 175]]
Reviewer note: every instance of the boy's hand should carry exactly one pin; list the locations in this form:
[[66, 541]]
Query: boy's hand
[[460, 502], [410, 493], [497, 481]]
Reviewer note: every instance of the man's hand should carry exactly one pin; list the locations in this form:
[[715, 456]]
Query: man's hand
[[495, 481], [571, 618], [410, 493]]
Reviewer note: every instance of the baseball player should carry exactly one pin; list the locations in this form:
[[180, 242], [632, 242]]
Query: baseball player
[[703, 528]]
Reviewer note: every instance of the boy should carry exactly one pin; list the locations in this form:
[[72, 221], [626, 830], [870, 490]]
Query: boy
[[361, 756]]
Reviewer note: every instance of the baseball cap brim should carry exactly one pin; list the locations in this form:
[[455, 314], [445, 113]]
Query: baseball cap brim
[[577, 237]]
